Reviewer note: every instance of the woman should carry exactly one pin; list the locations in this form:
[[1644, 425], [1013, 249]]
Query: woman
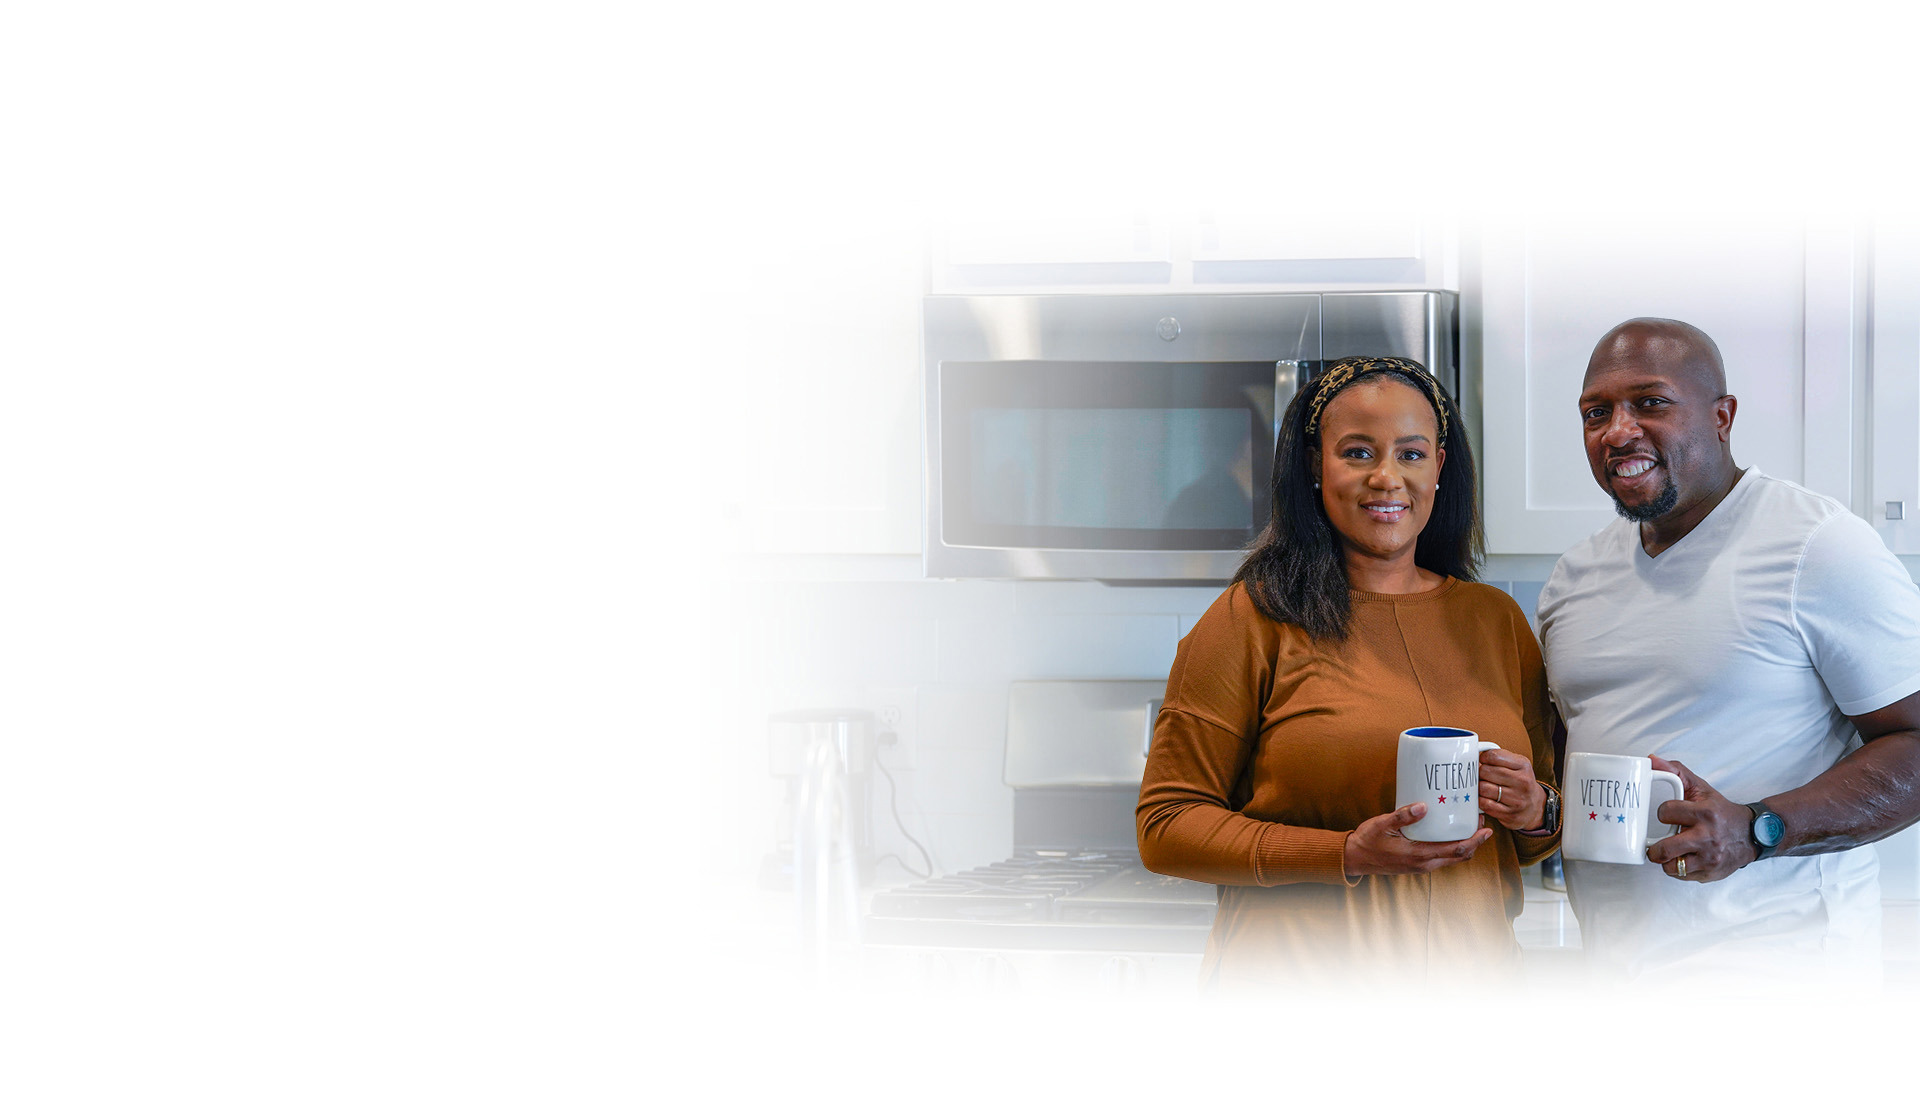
[[1354, 617]]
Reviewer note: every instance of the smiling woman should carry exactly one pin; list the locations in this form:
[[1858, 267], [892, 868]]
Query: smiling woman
[[1297, 570], [1353, 618], [1378, 464]]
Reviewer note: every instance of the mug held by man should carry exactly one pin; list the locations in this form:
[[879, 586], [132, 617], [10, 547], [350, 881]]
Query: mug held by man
[[1440, 766], [1612, 807]]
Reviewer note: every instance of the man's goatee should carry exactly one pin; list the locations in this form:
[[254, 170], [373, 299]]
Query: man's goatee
[[1653, 509]]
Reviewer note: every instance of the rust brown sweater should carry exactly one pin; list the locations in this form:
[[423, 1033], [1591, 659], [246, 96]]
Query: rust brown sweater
[[1270, 748]]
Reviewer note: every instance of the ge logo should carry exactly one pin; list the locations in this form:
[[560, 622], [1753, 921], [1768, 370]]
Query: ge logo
[[1168, 328]]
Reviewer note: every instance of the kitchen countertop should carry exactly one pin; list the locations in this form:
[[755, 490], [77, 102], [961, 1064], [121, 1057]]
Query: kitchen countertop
[[1546, 920], [1549, 935]]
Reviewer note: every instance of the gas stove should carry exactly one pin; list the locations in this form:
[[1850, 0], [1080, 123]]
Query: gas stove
[[1070, 908]]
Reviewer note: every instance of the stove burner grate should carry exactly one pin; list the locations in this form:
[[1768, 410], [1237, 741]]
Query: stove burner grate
[[1034, 885]]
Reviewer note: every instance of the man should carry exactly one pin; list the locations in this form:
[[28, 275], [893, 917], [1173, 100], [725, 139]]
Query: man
[[1758, 640]]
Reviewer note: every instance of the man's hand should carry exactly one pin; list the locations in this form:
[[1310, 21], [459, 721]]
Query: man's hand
[[1715, 837]]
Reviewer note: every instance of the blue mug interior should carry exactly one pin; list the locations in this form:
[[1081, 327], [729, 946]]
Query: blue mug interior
[[1439, 731]]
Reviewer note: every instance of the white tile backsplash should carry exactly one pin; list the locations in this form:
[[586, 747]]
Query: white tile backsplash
[[836, 648], [975, 651], [890, 599], [960, 781], [1527, 595], [956, 716], [1092, 647], [955, 841], [1094, 598]]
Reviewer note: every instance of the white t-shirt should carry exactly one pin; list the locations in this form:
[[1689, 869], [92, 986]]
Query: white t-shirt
[[1738, 651]]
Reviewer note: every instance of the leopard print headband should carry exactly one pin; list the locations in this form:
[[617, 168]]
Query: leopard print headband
[[1345, 372]]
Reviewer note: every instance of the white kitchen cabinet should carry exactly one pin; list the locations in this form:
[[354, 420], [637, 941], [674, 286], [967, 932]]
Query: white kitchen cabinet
[[1134, 238], [976, 255], [811, 425], [1781, 298], [1210, 250], [1894, 477], [1900, 865], [1314, 248]]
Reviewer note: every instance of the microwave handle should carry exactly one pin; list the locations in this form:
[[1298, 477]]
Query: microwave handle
[[1153, 712]]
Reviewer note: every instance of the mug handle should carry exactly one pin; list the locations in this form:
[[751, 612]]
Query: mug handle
[[1478, 748], [1654, 801], [1482, 746]]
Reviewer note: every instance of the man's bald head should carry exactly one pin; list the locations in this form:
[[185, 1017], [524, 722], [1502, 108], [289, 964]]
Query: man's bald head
[[1686, 354], [1658, 424]]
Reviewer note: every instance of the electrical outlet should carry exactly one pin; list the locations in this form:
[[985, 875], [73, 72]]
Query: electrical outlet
[[894, 726]]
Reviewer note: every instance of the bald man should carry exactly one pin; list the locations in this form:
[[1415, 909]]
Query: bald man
[[1755, 638]]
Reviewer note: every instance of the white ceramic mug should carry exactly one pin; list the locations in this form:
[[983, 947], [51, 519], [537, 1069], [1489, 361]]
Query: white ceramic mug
[[1608, 807], [1440, 765]]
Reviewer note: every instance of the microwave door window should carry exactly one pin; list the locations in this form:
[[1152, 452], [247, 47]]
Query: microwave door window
[[1128, 456], [1130, 469]]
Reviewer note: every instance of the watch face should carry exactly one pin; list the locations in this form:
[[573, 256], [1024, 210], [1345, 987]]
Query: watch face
[[1768, 829]]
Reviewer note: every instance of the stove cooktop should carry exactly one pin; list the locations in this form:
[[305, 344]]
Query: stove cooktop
[[1098, 899]]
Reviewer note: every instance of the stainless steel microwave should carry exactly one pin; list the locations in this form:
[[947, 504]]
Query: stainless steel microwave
[[1130, 437]]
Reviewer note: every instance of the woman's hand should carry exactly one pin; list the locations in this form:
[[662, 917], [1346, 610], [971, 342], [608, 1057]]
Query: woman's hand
[[1509, 793], [1377, 848]]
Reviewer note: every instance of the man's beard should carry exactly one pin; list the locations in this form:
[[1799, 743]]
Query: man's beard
[[1653, 509]]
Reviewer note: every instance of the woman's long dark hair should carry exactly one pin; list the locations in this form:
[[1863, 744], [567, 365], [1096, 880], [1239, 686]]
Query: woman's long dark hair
[[1295, 571]]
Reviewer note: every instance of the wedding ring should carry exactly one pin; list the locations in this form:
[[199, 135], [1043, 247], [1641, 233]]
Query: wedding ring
[[1683, 866], [1496, 792]]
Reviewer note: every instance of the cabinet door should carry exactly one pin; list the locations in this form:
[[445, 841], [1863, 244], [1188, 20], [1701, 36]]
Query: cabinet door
[[1001, 254], [1895, 471], [1267, 247], [812, 392], [1314, 247], [1778, 298]]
